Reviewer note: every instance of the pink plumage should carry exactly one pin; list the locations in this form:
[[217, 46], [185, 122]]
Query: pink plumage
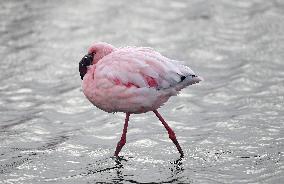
[[132, 80]]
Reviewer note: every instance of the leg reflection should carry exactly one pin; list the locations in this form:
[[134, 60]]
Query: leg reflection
[[177, 166], [119, 170]]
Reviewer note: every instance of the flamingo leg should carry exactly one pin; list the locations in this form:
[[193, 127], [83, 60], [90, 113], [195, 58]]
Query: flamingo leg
[[171, 133], [122, 141]]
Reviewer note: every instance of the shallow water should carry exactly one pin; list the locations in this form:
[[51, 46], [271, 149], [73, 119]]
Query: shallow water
[[230, 126]]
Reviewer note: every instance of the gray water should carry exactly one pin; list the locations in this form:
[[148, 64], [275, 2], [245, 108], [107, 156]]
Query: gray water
[[230, 126]]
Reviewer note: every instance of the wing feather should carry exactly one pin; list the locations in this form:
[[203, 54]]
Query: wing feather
[[135, 65]]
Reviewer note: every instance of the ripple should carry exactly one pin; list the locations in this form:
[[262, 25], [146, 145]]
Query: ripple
[[229, 126]]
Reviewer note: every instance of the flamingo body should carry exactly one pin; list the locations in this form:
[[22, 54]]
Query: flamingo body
[[134, 80]]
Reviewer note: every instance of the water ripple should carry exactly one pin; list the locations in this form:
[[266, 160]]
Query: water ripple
[[229, 126]]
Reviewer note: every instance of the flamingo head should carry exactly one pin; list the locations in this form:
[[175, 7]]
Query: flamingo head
[[96, 52]]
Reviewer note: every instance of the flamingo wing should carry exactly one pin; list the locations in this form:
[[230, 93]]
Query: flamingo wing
[[143, 67]]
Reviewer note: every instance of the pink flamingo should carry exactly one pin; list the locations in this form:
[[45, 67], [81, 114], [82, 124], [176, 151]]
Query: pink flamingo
[[132, 80]]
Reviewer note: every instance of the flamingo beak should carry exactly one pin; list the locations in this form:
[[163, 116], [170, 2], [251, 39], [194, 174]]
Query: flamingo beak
[[86, 61]]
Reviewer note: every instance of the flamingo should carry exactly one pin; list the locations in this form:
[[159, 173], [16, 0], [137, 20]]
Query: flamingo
[[132, 80]]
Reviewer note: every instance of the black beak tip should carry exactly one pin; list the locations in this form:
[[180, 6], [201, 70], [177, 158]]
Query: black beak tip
[[84, 63]]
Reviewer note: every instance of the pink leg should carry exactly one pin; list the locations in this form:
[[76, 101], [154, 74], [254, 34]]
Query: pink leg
[[122, 141], [171, 133]]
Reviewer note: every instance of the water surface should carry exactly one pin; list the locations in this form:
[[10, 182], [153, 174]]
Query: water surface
[[230, 126]]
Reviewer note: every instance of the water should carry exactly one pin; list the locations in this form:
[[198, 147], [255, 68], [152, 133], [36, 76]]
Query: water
[[230, 126]]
